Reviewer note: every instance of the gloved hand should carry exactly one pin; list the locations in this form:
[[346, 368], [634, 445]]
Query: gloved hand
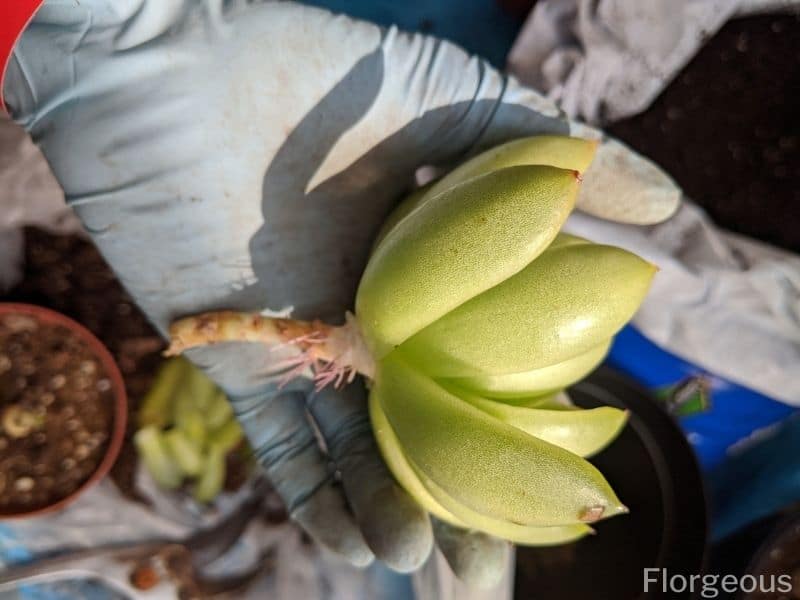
[[243, 155]]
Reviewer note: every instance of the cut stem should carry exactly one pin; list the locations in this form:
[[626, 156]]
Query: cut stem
[[332, 354]]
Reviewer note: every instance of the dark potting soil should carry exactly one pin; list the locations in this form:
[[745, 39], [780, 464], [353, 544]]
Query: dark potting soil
[[728, 128], [56, 413], [68, 274]]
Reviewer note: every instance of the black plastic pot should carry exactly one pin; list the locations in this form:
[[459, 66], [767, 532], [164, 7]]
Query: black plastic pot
[[777, 561], [653, 470]]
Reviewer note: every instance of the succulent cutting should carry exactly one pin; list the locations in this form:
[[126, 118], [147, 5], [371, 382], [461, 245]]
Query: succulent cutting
[[473, 314], [186, 429]]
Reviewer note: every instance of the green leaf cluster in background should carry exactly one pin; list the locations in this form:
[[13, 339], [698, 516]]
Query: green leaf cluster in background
[[186, 429]]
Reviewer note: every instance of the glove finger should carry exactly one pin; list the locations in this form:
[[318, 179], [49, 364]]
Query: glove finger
[[620, 185], [479, 560], [623, 186], [285, 445], [327, 519], [396, 528]]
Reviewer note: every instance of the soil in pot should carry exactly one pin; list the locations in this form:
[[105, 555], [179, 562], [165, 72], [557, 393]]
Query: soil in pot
[[56, 413], [68, 274]]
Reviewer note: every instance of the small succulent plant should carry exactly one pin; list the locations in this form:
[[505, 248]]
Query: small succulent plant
[[472, 316], [186, 430], [18, 422]]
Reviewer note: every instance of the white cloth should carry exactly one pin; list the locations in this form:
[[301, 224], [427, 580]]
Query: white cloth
[[603, 60], [726, 303], [29, 195], [104, 516]]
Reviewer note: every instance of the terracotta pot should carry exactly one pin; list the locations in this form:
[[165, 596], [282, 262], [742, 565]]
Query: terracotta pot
[[117, 434]]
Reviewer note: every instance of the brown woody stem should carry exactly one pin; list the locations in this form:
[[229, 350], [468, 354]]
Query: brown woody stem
[[342, 348]]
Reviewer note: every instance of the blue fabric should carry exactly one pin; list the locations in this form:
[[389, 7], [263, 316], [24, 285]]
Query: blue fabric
[[733, 413], [748, 444], [13, 551], [758, 481]]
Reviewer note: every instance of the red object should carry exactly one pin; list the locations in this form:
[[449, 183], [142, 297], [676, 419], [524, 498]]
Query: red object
[[14, 18], [50, 317]]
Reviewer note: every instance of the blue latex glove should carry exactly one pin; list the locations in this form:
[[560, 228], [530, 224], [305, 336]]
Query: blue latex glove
[[242, 155]]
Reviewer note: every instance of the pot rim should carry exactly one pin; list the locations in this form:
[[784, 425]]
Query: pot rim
[[51, 317]]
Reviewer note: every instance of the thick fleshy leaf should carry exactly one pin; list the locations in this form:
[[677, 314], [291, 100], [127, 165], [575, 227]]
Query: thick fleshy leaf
[[560, 151], [406, 475], [558, 401], [564, 152], [461, 243], [537, 381], [583, 432], [524, 535], [566, 302], [404, 208], [393, 456], [488, 466]]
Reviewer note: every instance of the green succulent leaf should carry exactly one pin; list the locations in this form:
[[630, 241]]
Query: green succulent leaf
[[550, 401], [152, 448], [490, 467], [212, 475], [403, 472], [560, 151], [525, 535], [574, 154], [538, 381], [404, 208], [157, 405], [583, 432], [456, 246], [227, 436], [569, 300], [218, 411], [186, 453], [433, 499]]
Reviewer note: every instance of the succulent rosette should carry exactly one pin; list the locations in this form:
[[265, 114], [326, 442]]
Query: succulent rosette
[[472, 316]]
